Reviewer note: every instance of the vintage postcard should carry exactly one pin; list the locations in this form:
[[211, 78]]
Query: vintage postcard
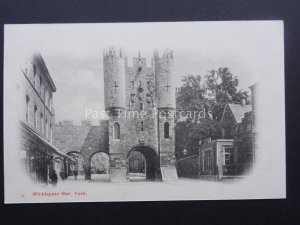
[[144, 111]]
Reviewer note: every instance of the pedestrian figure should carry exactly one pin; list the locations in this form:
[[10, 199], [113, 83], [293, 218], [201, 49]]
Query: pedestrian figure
[[75, 174], [53, 177], [62, 175]]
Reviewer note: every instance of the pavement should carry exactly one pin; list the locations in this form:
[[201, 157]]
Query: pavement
[[137, 188]]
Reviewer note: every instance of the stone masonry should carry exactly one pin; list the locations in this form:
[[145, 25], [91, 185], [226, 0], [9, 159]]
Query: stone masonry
[[135, 96]]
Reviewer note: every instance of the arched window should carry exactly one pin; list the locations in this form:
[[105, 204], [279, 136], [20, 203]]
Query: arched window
[[116, 131], [27, 108], [167, 130]]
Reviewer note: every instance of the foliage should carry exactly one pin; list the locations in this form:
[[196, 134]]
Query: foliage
[[222, 89], [208, 95]]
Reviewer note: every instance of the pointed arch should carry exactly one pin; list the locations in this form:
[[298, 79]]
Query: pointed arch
[[116, 131]]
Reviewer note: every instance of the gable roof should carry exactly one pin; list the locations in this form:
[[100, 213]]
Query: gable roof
[[38, 59], [237, 111]]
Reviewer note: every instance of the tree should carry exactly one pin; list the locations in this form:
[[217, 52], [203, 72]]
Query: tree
[[221, 88], [197, 94], [191, 96]]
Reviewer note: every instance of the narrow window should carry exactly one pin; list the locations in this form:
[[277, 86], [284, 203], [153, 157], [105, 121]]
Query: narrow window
[[35, 116], [34, 75], [142, 126], [42, 123], [116, 131], [141, 106], [46, 128], [148, 85], [166, 130], [50, 133], [46, 97], [50, 102], [41, 85], [27, 108], [132, 85]]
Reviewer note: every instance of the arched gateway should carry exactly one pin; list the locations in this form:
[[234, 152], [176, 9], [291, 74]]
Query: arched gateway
[[140, 101], [151, 161]]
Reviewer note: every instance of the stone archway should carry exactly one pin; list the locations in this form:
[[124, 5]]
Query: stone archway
[[151, 159], [99, 166], [78, 165]]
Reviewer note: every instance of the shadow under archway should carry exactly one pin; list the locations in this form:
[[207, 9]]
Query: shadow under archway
[[77, 167], [151, 158]]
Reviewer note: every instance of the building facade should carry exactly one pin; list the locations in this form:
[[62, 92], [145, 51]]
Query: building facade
[[36, 115], [140, 101]]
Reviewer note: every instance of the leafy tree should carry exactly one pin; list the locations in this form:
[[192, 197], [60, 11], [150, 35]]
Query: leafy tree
[[221, 89], [197, 94], [191, 96]]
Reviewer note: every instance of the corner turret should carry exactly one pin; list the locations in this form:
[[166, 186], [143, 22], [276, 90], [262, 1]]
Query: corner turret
[[165, 89], [114, 79]]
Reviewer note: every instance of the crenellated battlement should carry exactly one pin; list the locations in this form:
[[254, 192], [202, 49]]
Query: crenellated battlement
[[113, 53], [167, 54]]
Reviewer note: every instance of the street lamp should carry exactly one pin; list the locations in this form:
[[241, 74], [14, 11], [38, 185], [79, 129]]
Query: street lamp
[[184, 152]]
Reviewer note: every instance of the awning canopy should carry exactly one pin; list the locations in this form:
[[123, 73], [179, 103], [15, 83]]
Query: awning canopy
[[47, 144]]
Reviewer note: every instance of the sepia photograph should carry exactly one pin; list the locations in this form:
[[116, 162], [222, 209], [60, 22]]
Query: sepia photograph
[[144, 111]]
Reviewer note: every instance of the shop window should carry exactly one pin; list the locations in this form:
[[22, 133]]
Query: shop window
[[141, 106]]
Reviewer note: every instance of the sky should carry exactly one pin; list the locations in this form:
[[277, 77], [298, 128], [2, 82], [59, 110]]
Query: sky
[[73, 53]]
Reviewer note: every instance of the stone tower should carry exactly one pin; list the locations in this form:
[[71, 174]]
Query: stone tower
[[141, 102]]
